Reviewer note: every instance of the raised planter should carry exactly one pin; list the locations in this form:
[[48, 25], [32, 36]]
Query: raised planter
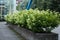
[[29, 35]]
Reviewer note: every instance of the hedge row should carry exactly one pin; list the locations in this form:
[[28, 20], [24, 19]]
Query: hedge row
[[35, 20]]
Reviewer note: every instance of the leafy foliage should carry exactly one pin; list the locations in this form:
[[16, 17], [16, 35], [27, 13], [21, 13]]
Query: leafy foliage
[[35, 20], [47, 4]]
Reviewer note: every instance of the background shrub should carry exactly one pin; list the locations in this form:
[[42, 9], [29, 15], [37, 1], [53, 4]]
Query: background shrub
[[53, 5]]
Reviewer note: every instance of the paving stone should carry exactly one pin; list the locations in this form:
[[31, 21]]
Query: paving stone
[[57, 30], [7, 34]]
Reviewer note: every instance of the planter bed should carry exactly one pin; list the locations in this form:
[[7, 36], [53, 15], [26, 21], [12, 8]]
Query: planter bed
[[29, 35]]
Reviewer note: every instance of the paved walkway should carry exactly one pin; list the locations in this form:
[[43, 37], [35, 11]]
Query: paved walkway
[[8, 34], [57, 30]]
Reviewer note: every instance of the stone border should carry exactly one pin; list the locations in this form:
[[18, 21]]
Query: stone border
[[29, 35]]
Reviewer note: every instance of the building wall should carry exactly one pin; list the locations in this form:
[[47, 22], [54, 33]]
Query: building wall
[[3, 5], [10, 5]]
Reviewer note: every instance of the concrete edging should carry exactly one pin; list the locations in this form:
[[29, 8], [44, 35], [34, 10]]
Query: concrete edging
[[29, 35]]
